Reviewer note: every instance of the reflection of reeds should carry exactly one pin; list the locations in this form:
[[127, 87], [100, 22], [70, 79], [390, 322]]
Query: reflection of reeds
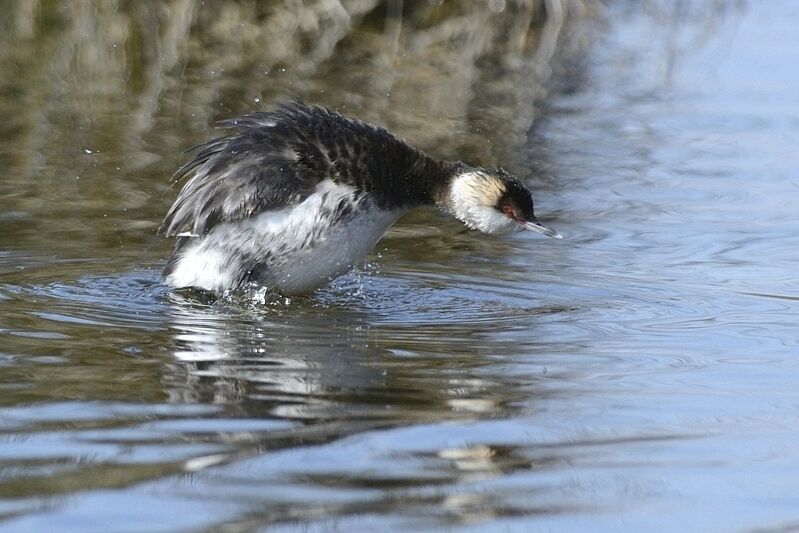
[[449, 74], [99, 98]]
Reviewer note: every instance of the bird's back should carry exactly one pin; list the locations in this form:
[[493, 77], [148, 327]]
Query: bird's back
[[272, 160]]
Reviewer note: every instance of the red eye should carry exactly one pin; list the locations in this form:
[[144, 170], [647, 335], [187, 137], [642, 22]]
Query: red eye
[[507, 210]]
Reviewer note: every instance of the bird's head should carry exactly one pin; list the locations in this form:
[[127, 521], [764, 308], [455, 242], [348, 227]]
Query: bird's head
[[493, 201]]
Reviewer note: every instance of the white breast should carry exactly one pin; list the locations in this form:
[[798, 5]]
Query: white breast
[[300, 247]]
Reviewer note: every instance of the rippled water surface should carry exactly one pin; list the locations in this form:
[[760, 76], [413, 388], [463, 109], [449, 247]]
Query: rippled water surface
[[642, 373]]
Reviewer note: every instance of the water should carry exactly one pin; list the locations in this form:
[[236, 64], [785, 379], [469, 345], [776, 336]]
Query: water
[[640, 374]]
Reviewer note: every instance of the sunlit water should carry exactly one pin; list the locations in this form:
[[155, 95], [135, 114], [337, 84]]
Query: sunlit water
[[642, 373]]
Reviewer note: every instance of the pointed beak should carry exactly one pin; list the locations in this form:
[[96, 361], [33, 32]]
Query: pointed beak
[[538, 227]]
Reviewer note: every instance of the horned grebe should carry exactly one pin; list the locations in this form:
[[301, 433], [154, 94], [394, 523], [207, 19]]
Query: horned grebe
[[293, 198]]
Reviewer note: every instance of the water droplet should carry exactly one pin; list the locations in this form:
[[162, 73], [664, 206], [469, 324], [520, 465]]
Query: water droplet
[[257, 100], [132, 350], [497, 6]]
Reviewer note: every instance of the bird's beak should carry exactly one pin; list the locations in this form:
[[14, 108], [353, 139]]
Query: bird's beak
[[538, 227]]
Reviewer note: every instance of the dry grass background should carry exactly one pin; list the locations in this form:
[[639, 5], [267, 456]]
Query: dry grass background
[[446, 74], [100, 98]]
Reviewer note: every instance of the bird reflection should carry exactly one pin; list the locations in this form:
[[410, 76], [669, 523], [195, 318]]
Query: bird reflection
[[314, 363]]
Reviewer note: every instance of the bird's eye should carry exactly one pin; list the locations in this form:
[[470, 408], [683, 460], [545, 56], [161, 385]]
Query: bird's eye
[[508, 210]]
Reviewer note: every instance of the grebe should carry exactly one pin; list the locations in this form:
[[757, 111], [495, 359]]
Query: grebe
[[292, 198]]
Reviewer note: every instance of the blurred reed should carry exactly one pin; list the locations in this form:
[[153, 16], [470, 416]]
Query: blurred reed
[[140, 78]]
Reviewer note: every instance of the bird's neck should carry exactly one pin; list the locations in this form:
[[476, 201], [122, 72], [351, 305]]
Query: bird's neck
[[435, 177], [412, 179]]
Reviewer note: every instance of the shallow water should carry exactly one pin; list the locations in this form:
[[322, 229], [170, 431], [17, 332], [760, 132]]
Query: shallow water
[[640, 374]]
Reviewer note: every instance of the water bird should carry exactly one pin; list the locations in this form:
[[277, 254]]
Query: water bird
[[292, 198]]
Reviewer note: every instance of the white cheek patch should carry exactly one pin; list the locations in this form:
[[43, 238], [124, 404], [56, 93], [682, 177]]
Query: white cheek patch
[[473, 196]]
